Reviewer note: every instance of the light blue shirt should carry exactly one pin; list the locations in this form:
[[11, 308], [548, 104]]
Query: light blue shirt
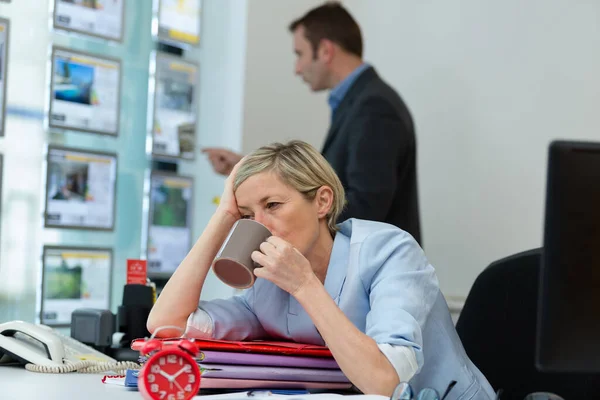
[[381, 280], [338, 93]]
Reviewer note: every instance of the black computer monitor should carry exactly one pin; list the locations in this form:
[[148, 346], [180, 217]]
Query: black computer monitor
[[568, 328]]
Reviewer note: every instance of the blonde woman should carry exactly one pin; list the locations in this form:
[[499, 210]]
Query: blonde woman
[[363, 288]]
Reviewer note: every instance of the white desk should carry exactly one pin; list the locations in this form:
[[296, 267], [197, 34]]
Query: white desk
[[16, 383]]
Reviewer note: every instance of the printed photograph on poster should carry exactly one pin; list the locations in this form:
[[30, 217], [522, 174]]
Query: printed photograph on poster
[[72, 278], [169, 229], [85, 92], [4, 29], [179, 21], [101, 18], [174, 130], [80, 189]]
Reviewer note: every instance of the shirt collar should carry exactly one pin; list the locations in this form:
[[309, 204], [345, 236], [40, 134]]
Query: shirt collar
[[339, 91], [338, 265]]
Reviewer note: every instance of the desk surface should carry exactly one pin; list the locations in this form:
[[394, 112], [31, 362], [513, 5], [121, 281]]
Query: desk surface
[[16, 383]]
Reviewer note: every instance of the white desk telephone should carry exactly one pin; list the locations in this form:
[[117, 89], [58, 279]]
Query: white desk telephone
[[42, 349]]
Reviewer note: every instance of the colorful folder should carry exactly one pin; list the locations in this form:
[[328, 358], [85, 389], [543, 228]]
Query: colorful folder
[[264, 365], [272, 373], [268, 360], [216, 383], [264, 347]]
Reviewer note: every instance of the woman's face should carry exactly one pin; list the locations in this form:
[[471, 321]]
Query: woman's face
[[282, 209]]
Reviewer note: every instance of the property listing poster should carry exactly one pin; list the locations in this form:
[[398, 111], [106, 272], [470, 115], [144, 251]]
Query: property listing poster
[[85, 92], [174, 130], [74, 278], [3, 65], [80, 189], [169, 236], [179, 20], [103, 18]]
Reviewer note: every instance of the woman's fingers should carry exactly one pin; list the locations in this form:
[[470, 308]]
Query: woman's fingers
[[259, 258], [267, 248]]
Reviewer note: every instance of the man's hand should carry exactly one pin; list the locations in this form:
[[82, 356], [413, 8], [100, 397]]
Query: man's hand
[[222, 160]]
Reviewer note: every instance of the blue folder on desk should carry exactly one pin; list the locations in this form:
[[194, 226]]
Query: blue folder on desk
[[131, 378]]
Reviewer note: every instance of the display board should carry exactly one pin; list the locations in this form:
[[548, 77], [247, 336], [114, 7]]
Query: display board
[[170, 222], [179, 21], [4, 36], [101, 18], [72, 278], [80, 189], [85, 92], [175, 109]]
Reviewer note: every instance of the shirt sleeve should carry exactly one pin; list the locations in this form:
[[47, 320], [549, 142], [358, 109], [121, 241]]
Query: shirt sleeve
[[199, 325], [226, 319], [402, 358], [402, 288]]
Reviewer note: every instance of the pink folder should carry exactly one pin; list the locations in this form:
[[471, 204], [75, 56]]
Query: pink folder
[[215, 383], [273, 360], [272, 373]]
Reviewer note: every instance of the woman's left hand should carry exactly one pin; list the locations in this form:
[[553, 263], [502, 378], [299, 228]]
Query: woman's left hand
[[282, 264]]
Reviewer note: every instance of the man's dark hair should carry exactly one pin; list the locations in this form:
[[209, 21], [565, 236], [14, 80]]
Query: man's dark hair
[[333, 22]]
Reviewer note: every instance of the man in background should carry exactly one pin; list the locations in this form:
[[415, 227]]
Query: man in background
[[371, 142]]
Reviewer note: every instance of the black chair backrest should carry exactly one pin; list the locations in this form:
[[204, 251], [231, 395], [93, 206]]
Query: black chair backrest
[[497, 326]]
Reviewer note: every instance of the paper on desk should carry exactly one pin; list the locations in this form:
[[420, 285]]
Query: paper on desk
[[114, 380]]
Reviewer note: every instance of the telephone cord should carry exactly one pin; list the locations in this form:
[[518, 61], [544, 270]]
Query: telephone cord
[[85, 367]]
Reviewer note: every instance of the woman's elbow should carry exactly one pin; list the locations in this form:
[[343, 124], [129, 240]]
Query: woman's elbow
[[389, 385], [383, 384], [153, 321], [156, 321]]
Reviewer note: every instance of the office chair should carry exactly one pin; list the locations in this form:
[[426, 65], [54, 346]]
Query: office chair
[[497, 327]]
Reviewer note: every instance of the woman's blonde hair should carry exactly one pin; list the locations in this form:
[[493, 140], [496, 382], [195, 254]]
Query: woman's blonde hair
[[300, 166]]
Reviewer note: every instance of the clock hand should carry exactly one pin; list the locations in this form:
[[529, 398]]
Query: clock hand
[[169, 378], [178, 385], [163, 373], [179, 372]]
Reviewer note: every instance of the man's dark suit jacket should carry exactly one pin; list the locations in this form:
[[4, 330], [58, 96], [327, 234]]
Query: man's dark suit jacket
[[372, 146]]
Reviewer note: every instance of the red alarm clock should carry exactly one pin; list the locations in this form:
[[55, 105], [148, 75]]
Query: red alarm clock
[[171, 372]]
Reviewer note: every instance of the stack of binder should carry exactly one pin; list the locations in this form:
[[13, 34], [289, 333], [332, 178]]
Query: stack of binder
[[265, 365]]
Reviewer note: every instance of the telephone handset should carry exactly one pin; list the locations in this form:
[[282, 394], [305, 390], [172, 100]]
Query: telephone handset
[[42, 349]]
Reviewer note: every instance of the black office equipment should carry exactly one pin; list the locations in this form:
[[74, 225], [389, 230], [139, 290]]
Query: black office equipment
[[568, 328], [94, 327], [133, 313]]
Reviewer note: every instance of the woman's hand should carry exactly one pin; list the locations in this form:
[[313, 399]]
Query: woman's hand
[[283, 265], [228, 204]]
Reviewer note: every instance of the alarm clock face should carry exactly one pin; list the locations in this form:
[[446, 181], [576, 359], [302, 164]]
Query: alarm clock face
[[169, 375]]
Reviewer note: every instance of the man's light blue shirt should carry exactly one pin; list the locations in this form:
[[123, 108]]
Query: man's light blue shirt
[[337, 93]]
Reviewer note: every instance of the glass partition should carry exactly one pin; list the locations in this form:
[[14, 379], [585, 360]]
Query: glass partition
[[35, 30]]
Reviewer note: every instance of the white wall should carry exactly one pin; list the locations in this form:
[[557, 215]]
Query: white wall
[[278, 106], [222, 56], [489, 85]]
